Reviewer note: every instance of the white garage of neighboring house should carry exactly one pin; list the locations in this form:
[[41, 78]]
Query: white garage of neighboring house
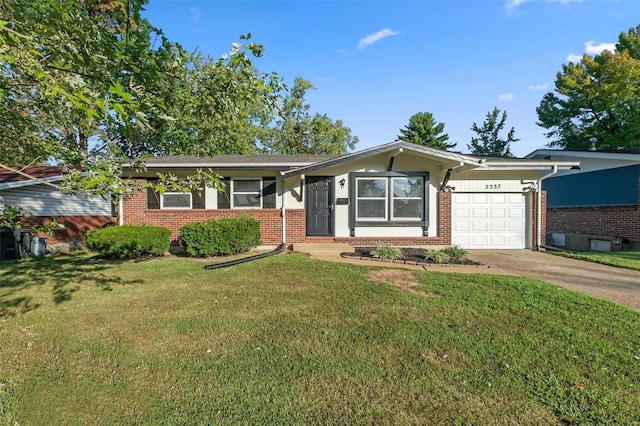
[[399, 193]]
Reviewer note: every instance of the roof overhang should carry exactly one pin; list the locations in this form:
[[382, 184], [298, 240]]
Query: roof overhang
[[30, 182], [393, 148]]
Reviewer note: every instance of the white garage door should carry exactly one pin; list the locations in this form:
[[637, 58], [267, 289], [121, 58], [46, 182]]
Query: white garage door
[[488, 221]]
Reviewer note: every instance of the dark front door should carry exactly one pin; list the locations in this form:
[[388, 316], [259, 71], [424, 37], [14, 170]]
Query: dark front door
[[319, 206]]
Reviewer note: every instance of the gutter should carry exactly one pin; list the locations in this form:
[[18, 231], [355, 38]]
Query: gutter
[[539, 206]]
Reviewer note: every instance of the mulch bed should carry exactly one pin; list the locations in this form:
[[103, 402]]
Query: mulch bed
[[412, 256]]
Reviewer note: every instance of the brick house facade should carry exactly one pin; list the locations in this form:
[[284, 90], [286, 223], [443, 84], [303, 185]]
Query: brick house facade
[[399, 193]]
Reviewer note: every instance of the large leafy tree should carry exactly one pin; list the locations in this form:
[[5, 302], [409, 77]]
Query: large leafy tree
[[71, 69], [488, 140], [295, 131], [83, 74], [424, 130], [215, 108], [598, 97]]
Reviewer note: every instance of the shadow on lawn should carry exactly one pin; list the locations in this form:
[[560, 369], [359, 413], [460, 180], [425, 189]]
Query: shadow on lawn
[[64, 274]]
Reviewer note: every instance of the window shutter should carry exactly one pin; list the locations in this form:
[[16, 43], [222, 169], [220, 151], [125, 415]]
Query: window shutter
[[153, 199], [197, 199], [223, 197], [269, 193]]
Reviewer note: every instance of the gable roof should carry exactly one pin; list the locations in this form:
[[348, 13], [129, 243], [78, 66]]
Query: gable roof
[[35, 175], [474, 162], [296, 165]]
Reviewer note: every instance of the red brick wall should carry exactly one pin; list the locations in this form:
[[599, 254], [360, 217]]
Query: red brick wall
[[75, 227], [136, 213], [604, 221]]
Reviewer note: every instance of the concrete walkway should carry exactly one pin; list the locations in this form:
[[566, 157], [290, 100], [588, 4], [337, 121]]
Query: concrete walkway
[[617, 285]]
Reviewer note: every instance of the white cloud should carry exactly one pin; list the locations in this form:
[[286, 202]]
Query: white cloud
[[196, 15], [536, 87], [594, 49], [507, 97], [591, 48], [513, 4], [374, 38], [572, 57]]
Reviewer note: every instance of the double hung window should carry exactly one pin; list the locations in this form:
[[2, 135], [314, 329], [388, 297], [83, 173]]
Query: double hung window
[[246, 193], [175, 200], [389, 197]]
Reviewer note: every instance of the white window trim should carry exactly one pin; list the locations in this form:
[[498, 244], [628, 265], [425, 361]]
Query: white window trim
[[176, 208], [385, 198], [393, 199], [232, 192]]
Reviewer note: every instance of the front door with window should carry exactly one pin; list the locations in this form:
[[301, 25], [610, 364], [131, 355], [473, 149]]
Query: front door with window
[[319, 206]]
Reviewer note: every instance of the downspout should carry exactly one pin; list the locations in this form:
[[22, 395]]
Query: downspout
[[283, 210], [539, 207], [121, 211]]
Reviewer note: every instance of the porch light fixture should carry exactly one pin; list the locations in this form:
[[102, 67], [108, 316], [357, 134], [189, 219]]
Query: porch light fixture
[[342, 182]]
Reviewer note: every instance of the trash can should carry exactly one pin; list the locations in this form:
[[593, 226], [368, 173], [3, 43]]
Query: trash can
[[23, 242], [38, 246], [7, 244]]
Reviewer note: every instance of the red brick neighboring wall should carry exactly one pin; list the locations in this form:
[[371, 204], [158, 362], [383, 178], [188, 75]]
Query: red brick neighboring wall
[[605, 221], [75, 227]]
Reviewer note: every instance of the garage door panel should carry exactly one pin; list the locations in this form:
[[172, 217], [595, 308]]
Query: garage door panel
[[489, 220], [480, 226]]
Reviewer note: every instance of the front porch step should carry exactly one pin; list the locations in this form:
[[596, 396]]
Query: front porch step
[[322, 248]]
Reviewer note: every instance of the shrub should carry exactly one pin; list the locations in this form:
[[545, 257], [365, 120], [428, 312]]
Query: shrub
[[436, 256], [455, 252], [126, 242], [220, 237], [386, 251]]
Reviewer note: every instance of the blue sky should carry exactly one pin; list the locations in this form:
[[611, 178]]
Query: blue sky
[[376, 63]]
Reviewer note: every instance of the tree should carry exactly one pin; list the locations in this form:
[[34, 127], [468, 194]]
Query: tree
[[598, 97], [424, 130], [215, 108], [78, 73], [295, 131], [488, 141]]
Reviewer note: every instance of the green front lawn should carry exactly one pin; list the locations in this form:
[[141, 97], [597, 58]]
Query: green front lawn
[[290, 340], [620, 259]]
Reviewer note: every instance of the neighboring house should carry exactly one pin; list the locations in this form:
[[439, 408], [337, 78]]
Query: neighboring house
[[596, 207], [400, 193], [43, 202]]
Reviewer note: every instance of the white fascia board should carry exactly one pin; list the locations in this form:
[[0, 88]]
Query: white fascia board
[[530, 165], [558, 153], [222, 165]]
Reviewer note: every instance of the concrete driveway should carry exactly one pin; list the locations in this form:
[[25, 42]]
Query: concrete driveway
[[618, 285]]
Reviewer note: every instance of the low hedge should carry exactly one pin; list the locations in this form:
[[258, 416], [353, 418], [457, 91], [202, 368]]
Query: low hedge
[[127, 242], [220, 237]]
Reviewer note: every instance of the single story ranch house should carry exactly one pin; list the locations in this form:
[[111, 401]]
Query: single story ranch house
[[400, 193]]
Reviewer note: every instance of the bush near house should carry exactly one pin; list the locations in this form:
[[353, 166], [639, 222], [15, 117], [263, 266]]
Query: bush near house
[[127, 242], [220, 237]]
